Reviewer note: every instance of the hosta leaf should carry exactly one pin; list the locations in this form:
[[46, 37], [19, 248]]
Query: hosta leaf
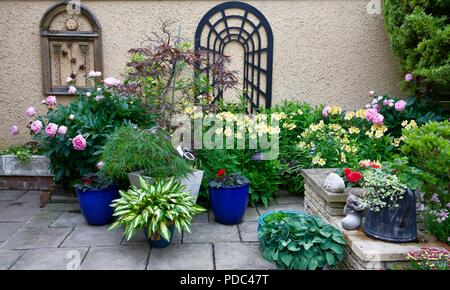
[[330, 258]]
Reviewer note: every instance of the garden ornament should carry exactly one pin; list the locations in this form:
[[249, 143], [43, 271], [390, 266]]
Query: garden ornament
[[334, 183], [185, 153], [352, 212]]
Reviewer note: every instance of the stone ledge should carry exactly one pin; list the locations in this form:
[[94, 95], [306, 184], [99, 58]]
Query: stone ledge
[[37, 166]]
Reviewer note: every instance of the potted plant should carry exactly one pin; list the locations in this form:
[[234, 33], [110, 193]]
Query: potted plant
[[298, 241], [157, 208], [95, 194], [131, 152], [228, 195], [390, 213]]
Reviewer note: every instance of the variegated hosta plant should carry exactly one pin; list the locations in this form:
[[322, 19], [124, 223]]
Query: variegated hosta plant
[[155, 207]]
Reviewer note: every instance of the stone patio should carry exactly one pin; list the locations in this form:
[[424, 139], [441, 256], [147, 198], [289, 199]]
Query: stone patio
[[57, 237]]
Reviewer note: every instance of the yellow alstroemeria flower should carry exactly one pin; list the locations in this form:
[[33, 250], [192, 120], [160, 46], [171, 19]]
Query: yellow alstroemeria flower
[[361, 114], [349, 115], [354, 130]]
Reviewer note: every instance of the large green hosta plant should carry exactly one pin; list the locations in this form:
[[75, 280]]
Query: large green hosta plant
[[300, 242], [154, 208]]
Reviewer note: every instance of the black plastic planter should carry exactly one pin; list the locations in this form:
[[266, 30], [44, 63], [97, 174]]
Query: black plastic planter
[[394, 224]]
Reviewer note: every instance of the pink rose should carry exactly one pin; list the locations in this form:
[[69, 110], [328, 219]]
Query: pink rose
[[111, 82], [325, 111], [36, 126], [72, 90], [51, 101], [370, 113], [400, 106], [409, 77], [100, 165], [79, 143], [31, 112], [51, 129], [14, 130], [62, 130], [378, 119]]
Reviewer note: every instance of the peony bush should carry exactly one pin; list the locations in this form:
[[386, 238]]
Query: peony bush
[[70, 135]]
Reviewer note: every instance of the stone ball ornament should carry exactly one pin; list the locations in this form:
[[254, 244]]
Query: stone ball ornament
[[353, 213]]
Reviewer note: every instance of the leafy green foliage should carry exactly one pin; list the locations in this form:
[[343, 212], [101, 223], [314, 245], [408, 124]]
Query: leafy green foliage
[[131, 149], [229, 180], [154, 207], [93, 181], [382, 189], [428, 149], [419, 32], [301, 242], [95, 120], [23, 152]]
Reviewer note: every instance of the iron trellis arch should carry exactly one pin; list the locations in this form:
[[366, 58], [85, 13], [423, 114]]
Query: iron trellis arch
[[253, 33]]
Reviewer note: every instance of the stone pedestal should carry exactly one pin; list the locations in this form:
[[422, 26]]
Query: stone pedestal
[[362, 252]]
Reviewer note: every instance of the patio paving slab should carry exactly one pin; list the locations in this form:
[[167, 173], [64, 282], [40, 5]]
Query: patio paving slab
[[7, 230], [10, 195], [249, 231], [50, 259], [8, 257], [116, 258], [92, 236], [291, 206], [69, 219], [182, 257], [251, 214], [33, 238], [289, 199], [61, 206], [240, 256], [43, 219], [204, 233], [21, 209]]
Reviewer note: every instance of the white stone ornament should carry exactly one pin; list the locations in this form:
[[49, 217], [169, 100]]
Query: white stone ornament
[[334, 183]]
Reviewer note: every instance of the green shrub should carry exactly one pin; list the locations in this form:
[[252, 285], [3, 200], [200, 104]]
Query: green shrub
[[94, 118], [428, 148], [419, 32], [132, 149], [301, 242]]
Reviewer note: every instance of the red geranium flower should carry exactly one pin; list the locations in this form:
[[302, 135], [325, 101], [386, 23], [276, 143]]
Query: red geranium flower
[[354, 177], [347, 171], [220, 172]]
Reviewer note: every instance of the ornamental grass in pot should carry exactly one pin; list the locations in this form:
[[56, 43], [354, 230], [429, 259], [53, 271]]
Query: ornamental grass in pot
[[132, 152], [155, 208], [228, 195]]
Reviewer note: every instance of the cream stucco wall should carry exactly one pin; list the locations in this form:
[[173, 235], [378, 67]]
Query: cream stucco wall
[[324, 51]]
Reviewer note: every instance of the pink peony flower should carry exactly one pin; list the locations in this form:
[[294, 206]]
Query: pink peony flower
[[71, 117], [95, 74], [99, 98], [435, 198], [389, 102], [98, 73], [111, 82], [100, 165], [325, 111], [377, 107], [36, 126], [409, 77], [14, 130], [51, 101], [370, 113], [88, 94], [72, 90], [69, 80], [79, 143], [378, 119], [91, 74], [400, 106], [51, 129], [31, 112], [62, 130]]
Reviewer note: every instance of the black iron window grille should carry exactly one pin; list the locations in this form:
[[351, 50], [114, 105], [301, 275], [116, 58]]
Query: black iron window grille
[[242, 23]]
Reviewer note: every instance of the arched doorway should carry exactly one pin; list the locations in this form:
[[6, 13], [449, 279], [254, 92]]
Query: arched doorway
[[244, 24]]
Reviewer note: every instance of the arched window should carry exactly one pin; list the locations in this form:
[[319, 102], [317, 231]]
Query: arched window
[[246, 25], [70, 47]]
